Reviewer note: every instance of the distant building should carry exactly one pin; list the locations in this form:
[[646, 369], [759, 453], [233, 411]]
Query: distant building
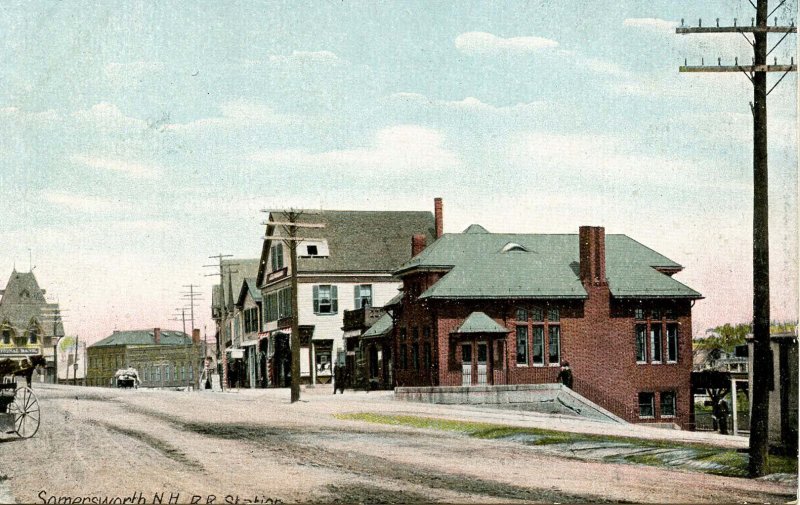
[[29, 325], [223, 310], [72, 362], [247, 312], [163, 358], [344, 266], [482, 308]]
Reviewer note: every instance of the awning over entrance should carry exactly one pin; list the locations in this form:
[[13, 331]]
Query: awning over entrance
[[479, 322]]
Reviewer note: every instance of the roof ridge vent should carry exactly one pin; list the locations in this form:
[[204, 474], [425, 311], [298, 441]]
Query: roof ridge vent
[[513, 246]]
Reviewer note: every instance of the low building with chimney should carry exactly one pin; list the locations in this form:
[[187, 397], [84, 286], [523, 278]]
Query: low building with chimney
[[483, 309], [162, 358], [343, 265], [29, 324]]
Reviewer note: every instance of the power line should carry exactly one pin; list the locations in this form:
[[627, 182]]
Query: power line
[[756, 72]]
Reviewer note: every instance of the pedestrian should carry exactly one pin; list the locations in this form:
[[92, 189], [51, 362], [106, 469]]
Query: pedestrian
[[337, 378], [723, 417], [565, 375]]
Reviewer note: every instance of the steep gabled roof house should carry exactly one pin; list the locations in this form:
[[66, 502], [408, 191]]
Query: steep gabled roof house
[[345, 264]]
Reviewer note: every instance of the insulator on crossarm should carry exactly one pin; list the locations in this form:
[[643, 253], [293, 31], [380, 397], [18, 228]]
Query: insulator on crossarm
[[681, 21], [734, 22], [685, 62], [776, 60], [719, 62], [776, 21], [736, 61], [702, 61], [700, 23], [717, 22]]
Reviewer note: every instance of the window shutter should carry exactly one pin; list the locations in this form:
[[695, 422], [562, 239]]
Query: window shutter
[[356, 296], [334, 300], [316, 299]]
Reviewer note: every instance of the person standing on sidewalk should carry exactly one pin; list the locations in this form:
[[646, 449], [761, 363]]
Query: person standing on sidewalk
[[565, 375], [723, 417]]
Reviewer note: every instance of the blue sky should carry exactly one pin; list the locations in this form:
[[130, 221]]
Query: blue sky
[[138, 138]]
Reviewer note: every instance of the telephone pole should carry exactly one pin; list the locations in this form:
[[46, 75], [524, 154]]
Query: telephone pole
[[291, 239], [191, 295], [757, 74], [222, 308]]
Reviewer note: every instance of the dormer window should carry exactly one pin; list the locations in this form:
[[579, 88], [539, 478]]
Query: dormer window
[[311, 248], [512, 246]]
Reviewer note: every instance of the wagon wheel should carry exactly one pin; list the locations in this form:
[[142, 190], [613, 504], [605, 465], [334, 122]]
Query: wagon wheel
[[26, 412]]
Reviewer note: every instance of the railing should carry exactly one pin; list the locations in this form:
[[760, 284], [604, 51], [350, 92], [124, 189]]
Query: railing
[[605, 400]]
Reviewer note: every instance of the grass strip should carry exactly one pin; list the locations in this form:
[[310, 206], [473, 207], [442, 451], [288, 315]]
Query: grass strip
[[728, 462]]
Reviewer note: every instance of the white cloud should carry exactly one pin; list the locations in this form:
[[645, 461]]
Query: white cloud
[[470, 104], [125, 167], [659, 25], [482, 43], [107, 116], [82, 202], [305, 57], [603, 66], [609, 159], [403, 148], [236, 113], [16, 114]]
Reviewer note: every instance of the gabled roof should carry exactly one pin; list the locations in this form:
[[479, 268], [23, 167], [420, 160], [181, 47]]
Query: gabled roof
[[248, 287], [358, 241], [144, 337], [234, 271], [22, 287], [479, 322], [23, 301], [380, 328], [477, 266]]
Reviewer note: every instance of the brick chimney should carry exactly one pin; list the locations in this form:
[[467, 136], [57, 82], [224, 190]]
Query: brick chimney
[[418, 243], [196, 336], [437, 215], [156, 335], [593, 255]]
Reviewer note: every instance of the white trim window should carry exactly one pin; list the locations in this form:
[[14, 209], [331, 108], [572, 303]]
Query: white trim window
[[655, 342], [276, 256], [647, 405], [641, 343], [668, 404], [362, 296], [326, 299], [672, 343]]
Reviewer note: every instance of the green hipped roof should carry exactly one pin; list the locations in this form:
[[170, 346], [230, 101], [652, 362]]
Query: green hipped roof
[[478, 267], [478, 322], [144, 337], [380, 328]]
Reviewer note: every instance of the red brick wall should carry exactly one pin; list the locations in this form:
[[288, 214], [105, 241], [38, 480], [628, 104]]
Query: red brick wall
[[598, 338]]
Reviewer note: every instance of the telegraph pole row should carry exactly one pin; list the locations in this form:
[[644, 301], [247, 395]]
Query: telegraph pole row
[[222, 307], [757, 74], [191, 295], [291, 239]]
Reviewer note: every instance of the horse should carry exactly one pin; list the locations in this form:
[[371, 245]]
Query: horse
[[22, 368]]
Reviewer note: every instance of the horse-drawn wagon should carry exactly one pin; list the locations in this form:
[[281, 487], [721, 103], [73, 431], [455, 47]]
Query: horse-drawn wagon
[[19, 407]]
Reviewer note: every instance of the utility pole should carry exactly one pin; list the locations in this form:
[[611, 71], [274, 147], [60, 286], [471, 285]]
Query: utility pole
[[191, 296], [75, 363], [290, 226], [757, 74], [222, 307]]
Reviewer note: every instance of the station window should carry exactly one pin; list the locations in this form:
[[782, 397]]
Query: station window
[[667, 403], [646, 405]]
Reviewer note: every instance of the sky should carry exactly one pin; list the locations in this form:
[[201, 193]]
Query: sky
[[139, 138]]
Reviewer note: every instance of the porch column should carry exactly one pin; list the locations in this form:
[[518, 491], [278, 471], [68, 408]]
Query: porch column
[[733, 402], [313, 354]]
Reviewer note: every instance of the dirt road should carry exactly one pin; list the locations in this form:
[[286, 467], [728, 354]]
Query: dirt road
[[98, 443]]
